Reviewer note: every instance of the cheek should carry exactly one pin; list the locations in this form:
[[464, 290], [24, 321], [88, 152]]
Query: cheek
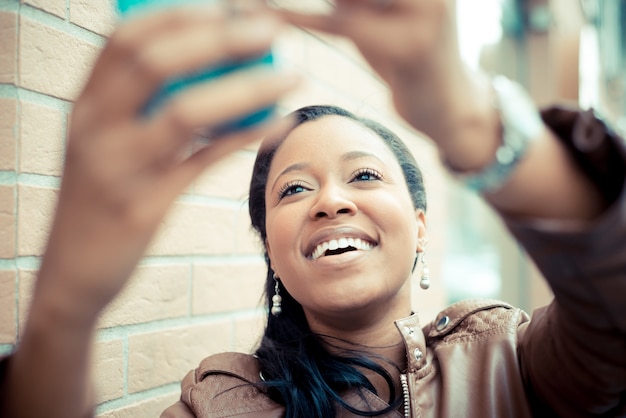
[[281, 237], [402, 227]]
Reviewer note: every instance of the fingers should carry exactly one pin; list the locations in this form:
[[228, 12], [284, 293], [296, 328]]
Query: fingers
[[350, 17], [320, 22], [338, 22], [113, 147], [207, 106], [129, 157], [179, 177], [234, 95], [144, 53]]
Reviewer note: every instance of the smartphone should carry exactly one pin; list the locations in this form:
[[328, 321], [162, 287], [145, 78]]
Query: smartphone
[[130, 8]]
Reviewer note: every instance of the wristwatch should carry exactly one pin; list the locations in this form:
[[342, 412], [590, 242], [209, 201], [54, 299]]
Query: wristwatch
[[521, 124]]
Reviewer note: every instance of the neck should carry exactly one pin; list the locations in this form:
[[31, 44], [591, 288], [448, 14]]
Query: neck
[[378, 338]]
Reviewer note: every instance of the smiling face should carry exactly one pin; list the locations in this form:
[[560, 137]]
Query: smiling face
[[342, 230]]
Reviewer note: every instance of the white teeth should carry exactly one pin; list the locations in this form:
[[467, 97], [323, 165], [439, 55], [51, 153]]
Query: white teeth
[[335, 244], [319, 250]]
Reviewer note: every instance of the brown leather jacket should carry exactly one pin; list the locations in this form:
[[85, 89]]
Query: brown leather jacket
[[485, 358]]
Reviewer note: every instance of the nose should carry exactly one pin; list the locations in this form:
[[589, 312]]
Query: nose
[[332, 200]]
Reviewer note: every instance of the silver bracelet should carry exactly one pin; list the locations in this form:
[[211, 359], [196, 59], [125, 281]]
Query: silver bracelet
[[521, 124]]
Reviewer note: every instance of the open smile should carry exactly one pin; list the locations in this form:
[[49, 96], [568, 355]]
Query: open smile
[[340, 246]]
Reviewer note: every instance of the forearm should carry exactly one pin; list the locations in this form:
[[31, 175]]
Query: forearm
[[463, 120], [549, 185], [49, 373], [572, 354], [455, 109]]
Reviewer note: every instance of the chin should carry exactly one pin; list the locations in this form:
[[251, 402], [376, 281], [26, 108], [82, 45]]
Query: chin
[[351, 307]]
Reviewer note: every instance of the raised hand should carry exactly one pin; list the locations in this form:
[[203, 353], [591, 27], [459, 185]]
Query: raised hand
[[122, 170], [411, 43]]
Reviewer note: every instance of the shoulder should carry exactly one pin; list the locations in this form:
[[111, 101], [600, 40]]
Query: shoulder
[[227, 384], [474, 319], [239, 365]]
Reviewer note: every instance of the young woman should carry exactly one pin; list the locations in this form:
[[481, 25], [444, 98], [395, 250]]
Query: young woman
[[341, 210]]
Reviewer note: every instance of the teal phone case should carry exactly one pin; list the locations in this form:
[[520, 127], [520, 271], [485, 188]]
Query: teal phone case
[[129, 8]]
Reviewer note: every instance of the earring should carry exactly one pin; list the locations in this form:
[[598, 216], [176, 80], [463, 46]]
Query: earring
[[424, 277], [276, 299]]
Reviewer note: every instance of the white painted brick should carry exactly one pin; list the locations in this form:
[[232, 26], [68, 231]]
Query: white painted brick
[[41, 139], [248, 333], [159, 358], [36, 207], [7, 221], [196, 229], [228, 287], [95, 15], [109, 370], [53, 62], [151, 407], [55, 7], [247, 240], [8, 315], [8, 47], [8, 131], [26, 285], [229, 178], [153, 293]]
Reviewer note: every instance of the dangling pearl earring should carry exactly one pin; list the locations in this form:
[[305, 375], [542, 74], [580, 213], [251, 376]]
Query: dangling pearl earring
[[424, 277], [276, 299]]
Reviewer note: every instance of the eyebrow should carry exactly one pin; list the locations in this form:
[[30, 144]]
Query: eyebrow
[[292, 167], [354, 155], [348, 156]]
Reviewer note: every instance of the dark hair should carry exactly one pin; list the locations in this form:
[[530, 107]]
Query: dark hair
[[298, 369]]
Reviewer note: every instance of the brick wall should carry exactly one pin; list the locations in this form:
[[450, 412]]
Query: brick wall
[[197, 291]]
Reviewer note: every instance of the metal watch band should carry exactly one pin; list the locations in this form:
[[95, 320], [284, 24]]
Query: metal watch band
[[521, 123]]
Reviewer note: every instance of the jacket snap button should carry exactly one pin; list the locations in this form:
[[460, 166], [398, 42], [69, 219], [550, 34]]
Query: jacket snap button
[[443, 323], [418, 354]]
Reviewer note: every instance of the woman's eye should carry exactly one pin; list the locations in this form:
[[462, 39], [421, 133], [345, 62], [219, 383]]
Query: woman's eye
[[367, 174], [290, 189]]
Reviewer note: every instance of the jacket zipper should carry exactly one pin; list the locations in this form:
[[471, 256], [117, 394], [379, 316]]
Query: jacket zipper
[[405, 393]]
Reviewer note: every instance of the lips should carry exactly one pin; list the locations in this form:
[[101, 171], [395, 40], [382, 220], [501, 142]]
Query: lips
[[339, 246], [338, 241]]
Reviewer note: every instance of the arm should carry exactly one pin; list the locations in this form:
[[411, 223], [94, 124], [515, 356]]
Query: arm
[[573, 353], [120, 176]]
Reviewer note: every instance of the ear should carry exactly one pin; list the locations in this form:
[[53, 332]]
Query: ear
[[269, 254], [420, 218]]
